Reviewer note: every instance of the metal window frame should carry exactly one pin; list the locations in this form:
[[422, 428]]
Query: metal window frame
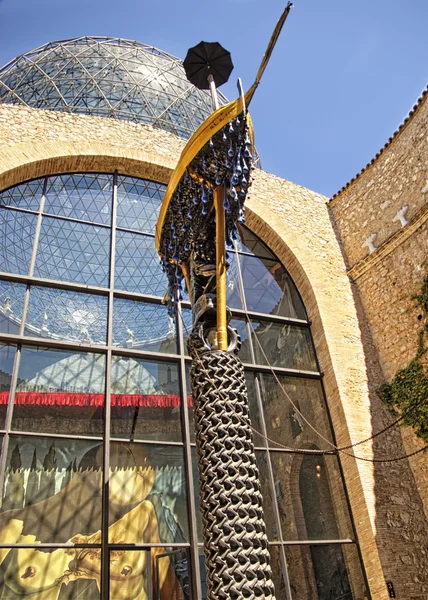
[[182, 361]]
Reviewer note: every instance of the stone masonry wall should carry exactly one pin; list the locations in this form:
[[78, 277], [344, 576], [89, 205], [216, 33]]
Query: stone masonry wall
[[384, 281], [396, 179]]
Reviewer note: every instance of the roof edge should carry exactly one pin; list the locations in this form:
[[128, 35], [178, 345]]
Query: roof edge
[[393, 137]]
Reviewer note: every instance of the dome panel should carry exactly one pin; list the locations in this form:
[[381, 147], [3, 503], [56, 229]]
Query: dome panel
[[107, 77]]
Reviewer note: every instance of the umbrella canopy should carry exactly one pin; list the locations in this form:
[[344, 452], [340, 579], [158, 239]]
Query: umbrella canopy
[[207, 58]]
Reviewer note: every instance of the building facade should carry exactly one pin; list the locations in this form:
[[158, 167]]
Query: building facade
[[98, 475]]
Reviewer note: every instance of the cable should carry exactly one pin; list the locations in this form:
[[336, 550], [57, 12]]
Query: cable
[[304, 450], [337, 448]]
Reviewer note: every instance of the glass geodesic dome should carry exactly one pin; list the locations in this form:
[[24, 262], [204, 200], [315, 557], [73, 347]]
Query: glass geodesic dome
[[108, 77]]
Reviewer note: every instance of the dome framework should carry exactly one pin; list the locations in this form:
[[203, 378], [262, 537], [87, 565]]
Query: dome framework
[[108, 77]]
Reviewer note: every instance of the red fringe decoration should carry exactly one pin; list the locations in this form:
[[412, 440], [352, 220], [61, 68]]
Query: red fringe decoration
[[71, 399]]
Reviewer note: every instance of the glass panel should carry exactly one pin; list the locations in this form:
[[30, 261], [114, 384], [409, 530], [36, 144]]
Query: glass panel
[[16, 245], [236, 323], [7, 359], [254, 409], [325, 572], [195, 474], [310, 496], [269, 289], [283, 346], [190, 405], [145, 400], [137, 265], [248, 242], [172, 574], [74, 252], [204, 588], [49, 573], [148, 500], [87, 197], [143, 326], [277, 573], [233, 289], [11, 305], [186, 322], [159, 573], [138, 203], [25, 195], [65, 315], [285, 424], [53, 488], [59, 392], [268, 507]]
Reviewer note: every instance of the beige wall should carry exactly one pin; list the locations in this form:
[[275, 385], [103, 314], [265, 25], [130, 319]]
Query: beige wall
[[296, 224]]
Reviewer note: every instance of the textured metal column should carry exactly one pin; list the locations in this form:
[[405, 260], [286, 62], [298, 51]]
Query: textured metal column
[[235, 541]]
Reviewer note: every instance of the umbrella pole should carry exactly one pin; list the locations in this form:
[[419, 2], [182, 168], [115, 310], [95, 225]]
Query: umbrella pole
[[220, 227], [213, 91]]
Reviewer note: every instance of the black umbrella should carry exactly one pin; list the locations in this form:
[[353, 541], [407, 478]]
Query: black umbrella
[[205, 59]]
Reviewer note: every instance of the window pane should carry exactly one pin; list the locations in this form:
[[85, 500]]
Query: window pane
[[268, 507], [65, 315], [283, 346], [253, 405], [236, 323], [7, 358], [233, 290], [148, 482], [269, 288], [145, 400], [155, 573], [73, 252], [248, 242], [36, 572], [196, 490], [143, 326], [16, 241], [138, 268], [310, 497], [284, 424], [277, 572], [53, 486], [11, 305], [87, 197], [25, 195], [324, 572], [233, 287], [59, 392], [138, 203]]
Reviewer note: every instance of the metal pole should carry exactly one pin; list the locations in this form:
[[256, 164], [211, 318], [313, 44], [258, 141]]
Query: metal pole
[[220, 227], [213, 91]]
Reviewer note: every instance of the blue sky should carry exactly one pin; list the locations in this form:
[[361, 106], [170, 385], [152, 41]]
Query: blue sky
[[344, 74]]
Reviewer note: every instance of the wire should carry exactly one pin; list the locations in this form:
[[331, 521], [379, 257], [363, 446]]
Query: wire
[[337, 448], [305, 450]]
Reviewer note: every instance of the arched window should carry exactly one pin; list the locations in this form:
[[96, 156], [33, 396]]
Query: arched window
[[94, 389]]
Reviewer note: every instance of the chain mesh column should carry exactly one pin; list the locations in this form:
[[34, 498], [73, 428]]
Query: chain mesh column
[[235, 541]]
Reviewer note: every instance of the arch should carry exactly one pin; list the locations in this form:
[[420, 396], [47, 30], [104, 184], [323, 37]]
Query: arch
[[51, 158], [275, 215]]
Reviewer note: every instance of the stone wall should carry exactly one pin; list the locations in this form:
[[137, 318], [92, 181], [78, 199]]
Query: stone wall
[[384, 281], [36, 142], [296, 224]]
